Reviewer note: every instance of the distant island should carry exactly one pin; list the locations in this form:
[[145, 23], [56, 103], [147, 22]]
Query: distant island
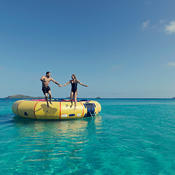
[[21, 96], [18, 96]]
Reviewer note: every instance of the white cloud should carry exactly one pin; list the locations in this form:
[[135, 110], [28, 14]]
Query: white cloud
[[170, 28], [160, 26], [171, 64], [145, 24]]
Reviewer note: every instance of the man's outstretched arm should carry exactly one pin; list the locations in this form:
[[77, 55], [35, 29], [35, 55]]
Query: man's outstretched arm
[[56, 82]]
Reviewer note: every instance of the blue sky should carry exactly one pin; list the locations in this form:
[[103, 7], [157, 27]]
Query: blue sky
[[120, 48]]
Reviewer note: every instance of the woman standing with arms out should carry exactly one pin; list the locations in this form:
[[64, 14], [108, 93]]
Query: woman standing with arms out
[[73, 93]]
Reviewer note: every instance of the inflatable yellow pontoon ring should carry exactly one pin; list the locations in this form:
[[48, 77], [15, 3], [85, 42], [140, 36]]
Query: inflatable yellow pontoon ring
[[58, 110]]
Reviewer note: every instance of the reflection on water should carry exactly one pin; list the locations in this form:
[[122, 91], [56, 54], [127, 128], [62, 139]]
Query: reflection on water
[[56, 127]]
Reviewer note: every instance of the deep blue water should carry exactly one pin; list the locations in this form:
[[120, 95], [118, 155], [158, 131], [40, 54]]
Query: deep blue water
[[129, 137]]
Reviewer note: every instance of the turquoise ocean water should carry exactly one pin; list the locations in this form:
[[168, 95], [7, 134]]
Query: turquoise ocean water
[[129, 137]]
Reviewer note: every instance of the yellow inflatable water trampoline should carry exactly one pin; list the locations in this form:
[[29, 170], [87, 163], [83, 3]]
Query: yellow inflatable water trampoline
[[58, 110]]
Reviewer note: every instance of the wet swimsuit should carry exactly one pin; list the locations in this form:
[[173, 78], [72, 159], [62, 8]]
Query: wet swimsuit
[[45, 89], [74, 86]]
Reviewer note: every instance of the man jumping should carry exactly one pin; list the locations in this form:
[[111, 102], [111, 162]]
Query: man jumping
[[45, 86]]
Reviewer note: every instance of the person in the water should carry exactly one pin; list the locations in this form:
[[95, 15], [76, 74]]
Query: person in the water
[[74, 82], [45, 86]]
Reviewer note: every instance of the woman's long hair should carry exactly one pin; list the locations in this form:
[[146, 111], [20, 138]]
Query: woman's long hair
[[74, 77]]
